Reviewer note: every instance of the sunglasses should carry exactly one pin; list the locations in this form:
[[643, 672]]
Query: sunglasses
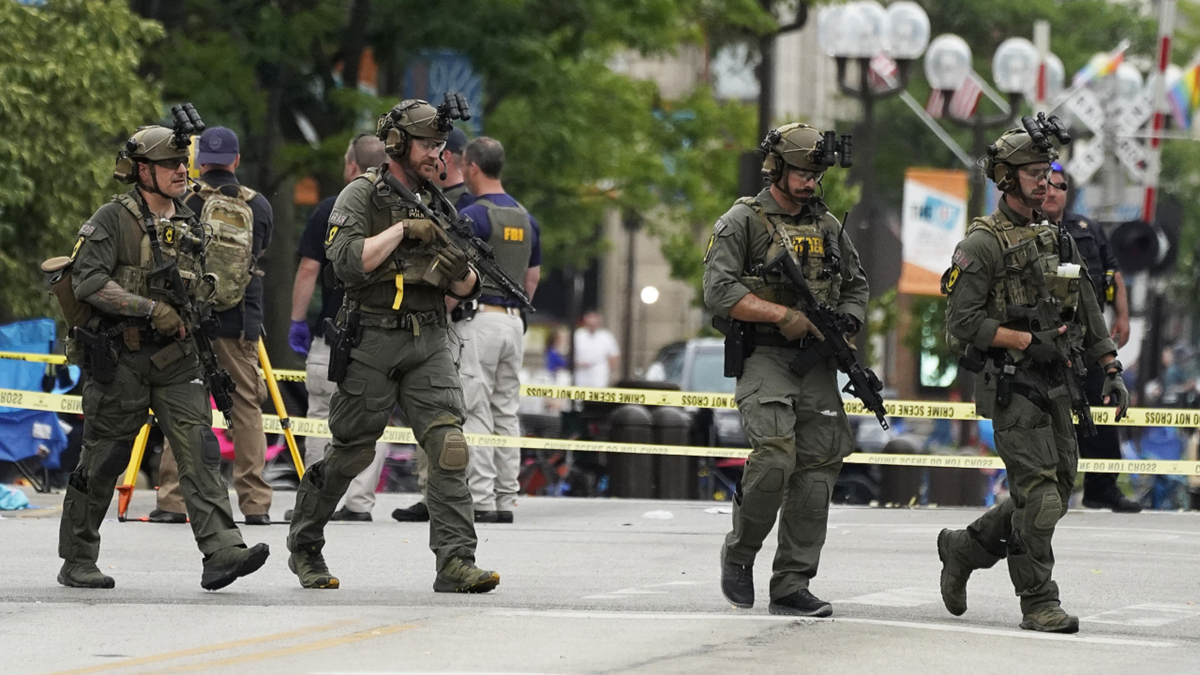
[[170, 164]]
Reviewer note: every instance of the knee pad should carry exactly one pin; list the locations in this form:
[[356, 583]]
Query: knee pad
[[454, 451], [1047, 510], [818, 495], [210, 448], [770, 481], [117, 458]]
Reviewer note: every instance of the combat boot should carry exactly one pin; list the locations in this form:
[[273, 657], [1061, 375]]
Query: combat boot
[[960, 555], [1050, 619], [226, 565], [737, 583], [800, 603], [307, 563], [460, 576], [417, 513], [84, 575]]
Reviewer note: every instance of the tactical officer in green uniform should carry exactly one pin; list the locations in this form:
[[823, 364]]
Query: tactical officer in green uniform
[[397, 271], [1011, 263], [139, 355], [795, 423]]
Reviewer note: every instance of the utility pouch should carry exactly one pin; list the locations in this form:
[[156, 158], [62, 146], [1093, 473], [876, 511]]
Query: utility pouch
[[168, 355], [99, 354]]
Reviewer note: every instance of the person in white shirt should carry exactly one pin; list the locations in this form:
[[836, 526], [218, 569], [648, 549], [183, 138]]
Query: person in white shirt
[[596, 353]]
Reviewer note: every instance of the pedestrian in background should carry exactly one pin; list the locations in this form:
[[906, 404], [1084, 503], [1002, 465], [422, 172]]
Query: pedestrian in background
[[240, 236], [596, 352]]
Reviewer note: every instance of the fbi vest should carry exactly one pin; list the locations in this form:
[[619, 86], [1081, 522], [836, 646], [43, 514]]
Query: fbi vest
[[511, 240], [812, 242]]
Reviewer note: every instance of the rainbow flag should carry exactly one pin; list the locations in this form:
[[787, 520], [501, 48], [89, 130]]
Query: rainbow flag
[[1184, 97], [1101, 65]]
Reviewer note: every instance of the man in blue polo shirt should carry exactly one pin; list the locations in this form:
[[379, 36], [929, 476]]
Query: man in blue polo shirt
[[494, 338]]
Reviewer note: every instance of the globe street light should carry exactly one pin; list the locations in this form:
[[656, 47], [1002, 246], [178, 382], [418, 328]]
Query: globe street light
[[1014, 70], [862, 31]]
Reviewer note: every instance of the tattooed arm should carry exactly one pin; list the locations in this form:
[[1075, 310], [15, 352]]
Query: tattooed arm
[[112, 299]]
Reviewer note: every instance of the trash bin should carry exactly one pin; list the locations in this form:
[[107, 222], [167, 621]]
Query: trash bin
[[631, 475], [901, 485], [677, 474]]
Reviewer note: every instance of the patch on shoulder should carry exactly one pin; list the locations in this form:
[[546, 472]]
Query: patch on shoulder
[[338, 218], [961, 260], [87, 229]]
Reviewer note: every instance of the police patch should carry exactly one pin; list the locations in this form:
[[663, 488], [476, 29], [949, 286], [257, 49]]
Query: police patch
[[333, 230], [712, 239], [78, 243], [949, 278]]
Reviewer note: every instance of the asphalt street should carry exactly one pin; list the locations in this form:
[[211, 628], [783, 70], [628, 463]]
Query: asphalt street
[[594, 586]]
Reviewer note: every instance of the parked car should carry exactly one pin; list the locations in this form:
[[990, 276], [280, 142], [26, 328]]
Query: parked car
[[698, 365]]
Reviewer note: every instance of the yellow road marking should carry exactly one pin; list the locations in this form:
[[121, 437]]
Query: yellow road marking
[[298, 649], [169, 656]]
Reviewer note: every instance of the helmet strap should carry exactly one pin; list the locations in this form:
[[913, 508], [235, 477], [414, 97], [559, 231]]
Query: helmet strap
[[153, 187]]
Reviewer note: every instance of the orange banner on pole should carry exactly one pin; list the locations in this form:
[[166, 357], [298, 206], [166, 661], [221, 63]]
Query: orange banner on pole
[[933, 221]]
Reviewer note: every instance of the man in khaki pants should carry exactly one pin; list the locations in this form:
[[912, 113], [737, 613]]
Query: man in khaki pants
[[494, 338], [236, 347]]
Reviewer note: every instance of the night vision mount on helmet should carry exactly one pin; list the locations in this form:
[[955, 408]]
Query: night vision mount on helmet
[[155, 143], [415, 118], [803, 147], [1029, 144]]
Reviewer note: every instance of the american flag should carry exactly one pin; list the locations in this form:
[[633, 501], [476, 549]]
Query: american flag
[[883, 72], [962, 103]]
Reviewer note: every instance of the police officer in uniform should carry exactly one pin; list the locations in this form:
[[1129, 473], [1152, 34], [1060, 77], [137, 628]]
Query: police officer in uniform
[[397, 275], [1100, 489], [141, 357], [1008, 261], [796, 424]]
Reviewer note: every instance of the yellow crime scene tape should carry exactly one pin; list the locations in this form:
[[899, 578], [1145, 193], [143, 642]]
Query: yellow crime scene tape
[[301, 426]]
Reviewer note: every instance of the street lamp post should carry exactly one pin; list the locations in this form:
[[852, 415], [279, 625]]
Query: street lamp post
[[861, 31], [1015, 70]]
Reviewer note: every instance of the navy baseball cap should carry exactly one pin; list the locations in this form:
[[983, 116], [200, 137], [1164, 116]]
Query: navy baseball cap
[[218, 145], [456, 142]]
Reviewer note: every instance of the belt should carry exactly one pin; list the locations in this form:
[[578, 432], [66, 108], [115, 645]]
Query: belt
[[511, 311], [773, 338], [402, 321], [1035, 397]]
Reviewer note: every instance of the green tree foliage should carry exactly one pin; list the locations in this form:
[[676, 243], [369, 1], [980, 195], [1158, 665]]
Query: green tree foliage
[[69, 93]]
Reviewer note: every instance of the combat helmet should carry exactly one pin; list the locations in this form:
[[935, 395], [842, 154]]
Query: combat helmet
[[408, 119], [1019, 146], [148, 144], [796, 145]]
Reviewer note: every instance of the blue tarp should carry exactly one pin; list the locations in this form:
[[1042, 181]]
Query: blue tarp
[[23, 432]]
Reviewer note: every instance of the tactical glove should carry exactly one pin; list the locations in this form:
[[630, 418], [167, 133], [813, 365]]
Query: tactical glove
[[1115, 393], [165, 319], [795, 325], [422, 230], [1042, 349], [298, 337], [448, 266]]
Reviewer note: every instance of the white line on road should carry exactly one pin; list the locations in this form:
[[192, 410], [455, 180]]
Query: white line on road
[[1148, 615], [702, 616], [639, 590]]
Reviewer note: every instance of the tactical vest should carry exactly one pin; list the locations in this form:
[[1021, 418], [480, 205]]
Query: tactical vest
[[179, 240], [512, 241], [396, 285], [813, 243], [1022, 248], [455, 193]]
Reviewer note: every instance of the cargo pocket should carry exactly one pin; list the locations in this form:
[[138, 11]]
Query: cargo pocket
[[447, 395], [1024, 437]]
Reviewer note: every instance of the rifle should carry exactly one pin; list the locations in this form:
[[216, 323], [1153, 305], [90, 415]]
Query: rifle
[[461, 233], [164, 280], [1047, 315], [864, 384]]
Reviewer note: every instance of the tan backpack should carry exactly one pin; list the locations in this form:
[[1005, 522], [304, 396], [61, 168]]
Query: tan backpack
[[230, 253]]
